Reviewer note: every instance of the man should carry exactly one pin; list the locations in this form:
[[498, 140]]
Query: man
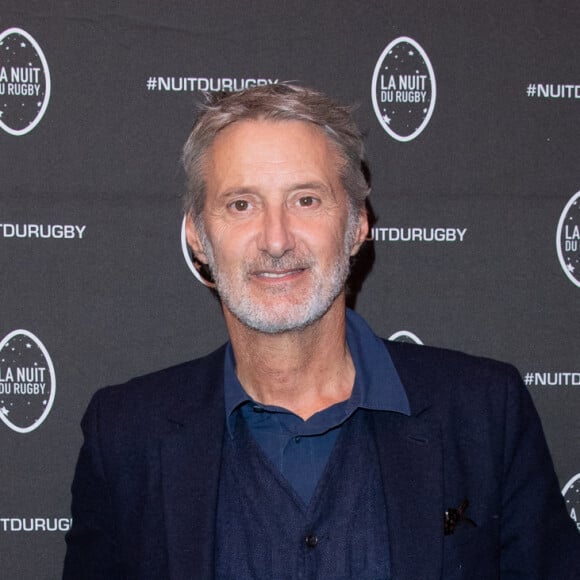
[[307, 447]]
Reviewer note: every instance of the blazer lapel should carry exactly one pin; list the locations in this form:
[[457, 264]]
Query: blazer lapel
[[190, 463], [410, 454]]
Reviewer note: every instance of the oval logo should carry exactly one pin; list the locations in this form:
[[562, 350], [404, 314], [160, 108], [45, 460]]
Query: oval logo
[[199, 270], [568, 239], [405, 336], [27, 381], [571, 493], [404, 89], [24, 82]]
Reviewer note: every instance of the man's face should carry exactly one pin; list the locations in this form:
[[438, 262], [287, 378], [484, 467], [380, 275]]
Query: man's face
[[277, 230]]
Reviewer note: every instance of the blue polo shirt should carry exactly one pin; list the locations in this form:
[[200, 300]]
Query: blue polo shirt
[[300, 449]]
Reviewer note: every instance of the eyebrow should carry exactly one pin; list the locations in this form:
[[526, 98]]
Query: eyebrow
[[235, 192], [313, 185], [307, 185]]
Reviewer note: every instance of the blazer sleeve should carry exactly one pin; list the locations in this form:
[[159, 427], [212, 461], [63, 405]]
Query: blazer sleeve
[[538, 539], [91, 543]]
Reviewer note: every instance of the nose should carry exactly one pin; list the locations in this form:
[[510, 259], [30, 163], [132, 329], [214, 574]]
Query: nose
[[276, 237]]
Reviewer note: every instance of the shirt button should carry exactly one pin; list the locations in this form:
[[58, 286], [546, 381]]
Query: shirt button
[[297, 439], [311, 540]]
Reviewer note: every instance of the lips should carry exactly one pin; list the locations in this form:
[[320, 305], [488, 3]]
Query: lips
[[275, 275]]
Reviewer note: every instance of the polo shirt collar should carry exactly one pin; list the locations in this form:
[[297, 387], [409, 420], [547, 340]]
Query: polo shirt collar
[[377, 385]]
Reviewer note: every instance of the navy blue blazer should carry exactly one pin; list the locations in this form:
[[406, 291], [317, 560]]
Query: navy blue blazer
[[145, 488]]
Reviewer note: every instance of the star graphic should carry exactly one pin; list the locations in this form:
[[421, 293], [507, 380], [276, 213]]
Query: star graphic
[[570, 268], [4, 410], [28, 345], [387, 119]]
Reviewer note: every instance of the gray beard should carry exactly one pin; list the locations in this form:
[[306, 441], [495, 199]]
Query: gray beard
[[295, 316]]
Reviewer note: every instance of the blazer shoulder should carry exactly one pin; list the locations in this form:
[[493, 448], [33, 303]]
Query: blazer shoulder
[[443, 362], [173, 391], [453, 379]]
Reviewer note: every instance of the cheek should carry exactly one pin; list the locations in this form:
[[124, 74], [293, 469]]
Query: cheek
[[219, 234], [230, 250], [330, 241], [222, 238]]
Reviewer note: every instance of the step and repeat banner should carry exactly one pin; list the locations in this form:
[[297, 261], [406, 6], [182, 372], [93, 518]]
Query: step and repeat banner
[[471, 116]]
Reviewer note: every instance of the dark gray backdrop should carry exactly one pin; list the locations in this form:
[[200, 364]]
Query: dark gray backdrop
[[494, 160]]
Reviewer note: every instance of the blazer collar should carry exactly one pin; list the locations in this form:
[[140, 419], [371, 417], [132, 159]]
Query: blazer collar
[[411, 456], [190, 463]]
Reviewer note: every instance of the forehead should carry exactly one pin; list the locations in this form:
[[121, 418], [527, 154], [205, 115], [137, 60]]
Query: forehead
[[268, 147]]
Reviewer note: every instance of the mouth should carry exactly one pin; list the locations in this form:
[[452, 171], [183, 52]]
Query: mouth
[[278, 274]]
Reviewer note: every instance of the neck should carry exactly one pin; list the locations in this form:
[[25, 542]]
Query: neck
[[304, 371]]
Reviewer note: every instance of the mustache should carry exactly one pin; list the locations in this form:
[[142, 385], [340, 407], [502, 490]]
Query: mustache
[[288, 261]]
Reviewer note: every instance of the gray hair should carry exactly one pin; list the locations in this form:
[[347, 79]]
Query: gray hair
[[278, 102]]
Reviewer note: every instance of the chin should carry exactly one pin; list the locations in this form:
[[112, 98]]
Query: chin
[[272, 319]]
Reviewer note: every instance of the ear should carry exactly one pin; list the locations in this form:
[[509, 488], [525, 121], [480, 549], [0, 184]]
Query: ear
[[193, 239], [361, 232]]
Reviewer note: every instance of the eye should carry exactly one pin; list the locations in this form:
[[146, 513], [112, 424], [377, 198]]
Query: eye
[[240, 205], [307, 201]]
